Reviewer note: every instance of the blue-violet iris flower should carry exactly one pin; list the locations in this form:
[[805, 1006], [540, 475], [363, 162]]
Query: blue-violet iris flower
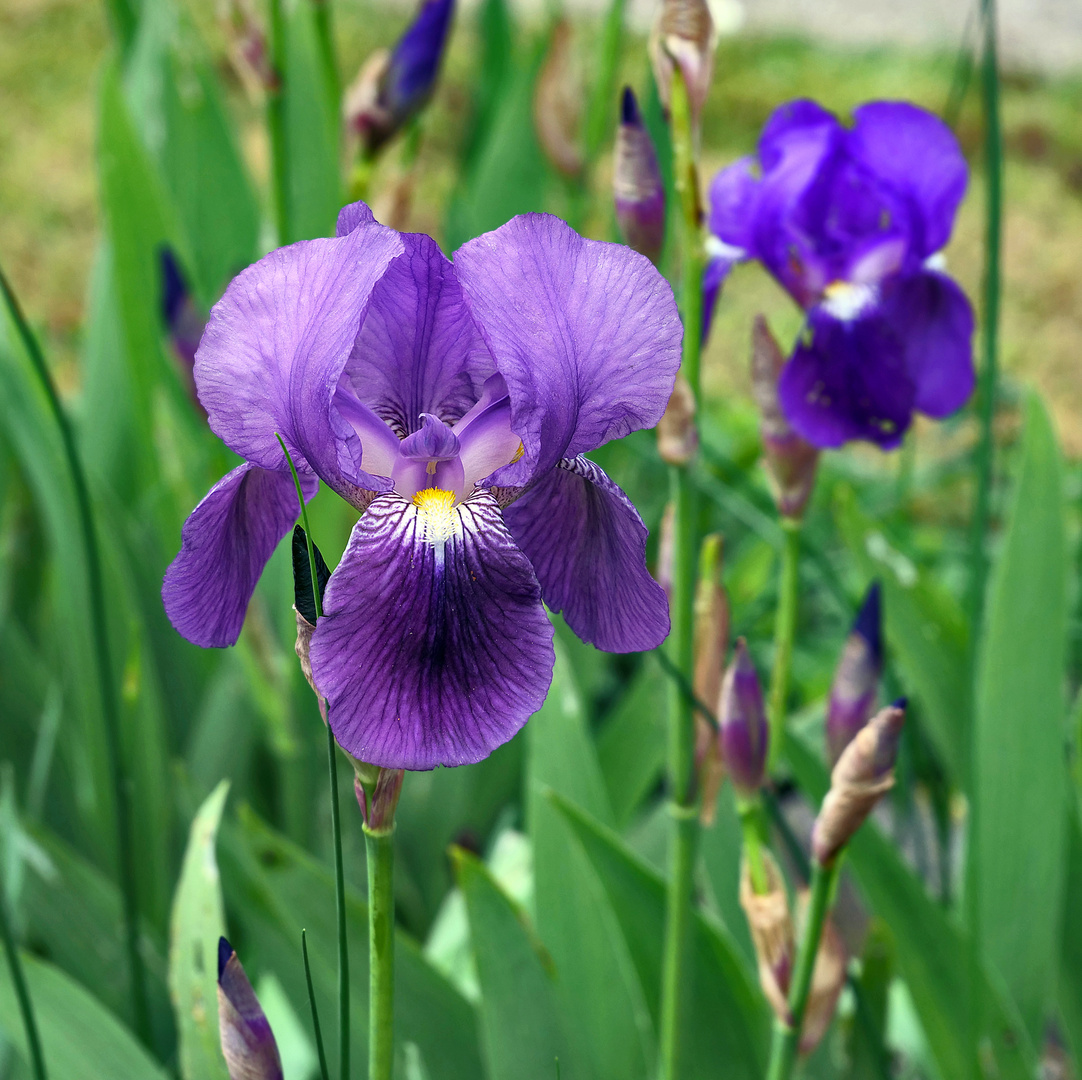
[[850, 220], [452, 404]]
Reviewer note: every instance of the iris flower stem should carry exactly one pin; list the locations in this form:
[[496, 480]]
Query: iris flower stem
[[99, 633], [276, 124], [336, 824], [681, 751], [993, 230], [750, 812], [786, 1040], [380, 849], [22, 992], [784, 632]]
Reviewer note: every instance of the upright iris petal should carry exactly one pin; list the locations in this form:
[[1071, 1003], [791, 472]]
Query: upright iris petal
[[846, 219], [449, 403]]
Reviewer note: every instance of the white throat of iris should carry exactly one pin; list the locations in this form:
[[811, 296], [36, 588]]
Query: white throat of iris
[[846, 301]]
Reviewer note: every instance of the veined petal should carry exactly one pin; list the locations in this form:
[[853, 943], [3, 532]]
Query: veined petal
[[277, 341], [586, 335], [225, 543], [418, 350], [351, 215], [587, 544], [434, 647]]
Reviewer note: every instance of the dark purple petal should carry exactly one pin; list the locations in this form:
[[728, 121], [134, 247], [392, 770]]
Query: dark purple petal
[[434, 647], [225, 543], [418, 350], [734, 194], [934, 320], [917, 154], [717, 270], [276, 343], [351, 215], [856, 678], [585, 333], [587, 544], [849, 381]]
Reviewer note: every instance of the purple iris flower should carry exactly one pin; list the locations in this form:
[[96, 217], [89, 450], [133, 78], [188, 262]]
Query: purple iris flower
[[850, 221], [451, 404]]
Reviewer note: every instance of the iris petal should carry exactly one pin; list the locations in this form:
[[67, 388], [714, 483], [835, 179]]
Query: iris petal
[[848, 381], [434, 647], [587, 544], [418, 350], [225, 543], [585, 333]]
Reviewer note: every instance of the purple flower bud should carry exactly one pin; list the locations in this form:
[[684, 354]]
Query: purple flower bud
[[183, 319], [743, 729], [247, 1041], [557, 103], [684, 35], [790, 460], [391, 88], [863, 775], [856, 679], [636, 183]]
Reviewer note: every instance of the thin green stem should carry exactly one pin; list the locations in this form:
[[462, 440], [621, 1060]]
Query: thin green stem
[[603, 98], [336, 824], [324, 1075], [276, 124], [681, 743], [993, 235], [340, 910], [784, 632], [380, 849], [22, 992], [99, 633], [786, 1040]]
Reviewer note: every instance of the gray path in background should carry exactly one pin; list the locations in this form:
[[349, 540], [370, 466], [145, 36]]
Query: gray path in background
[[1035, 35]]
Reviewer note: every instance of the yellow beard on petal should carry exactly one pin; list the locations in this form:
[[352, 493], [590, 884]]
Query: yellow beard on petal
[[436, 514]]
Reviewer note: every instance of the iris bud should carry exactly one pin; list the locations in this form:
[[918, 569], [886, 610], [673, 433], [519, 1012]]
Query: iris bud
[[774, 938], [677, 435], [248, 50], [743, 729], [828, 978], [684, 35], [183, 319], [665, 544], [790, 460], [863, 774], [557, 103], [392, 87], [247, 1040], [856, 679], [710, 649], [638, 189], [378, 811], [771, 929]]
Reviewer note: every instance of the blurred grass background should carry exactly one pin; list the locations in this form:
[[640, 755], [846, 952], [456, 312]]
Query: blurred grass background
[[51, 53]]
